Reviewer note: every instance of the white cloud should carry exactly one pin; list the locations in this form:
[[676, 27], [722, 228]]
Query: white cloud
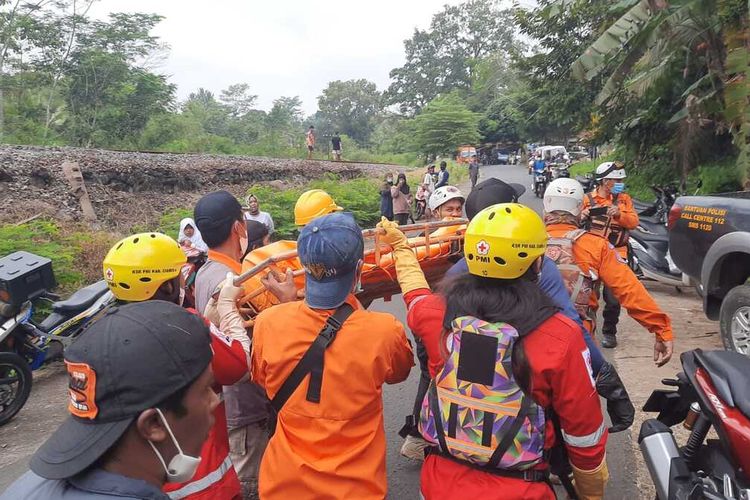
[[282, 47]]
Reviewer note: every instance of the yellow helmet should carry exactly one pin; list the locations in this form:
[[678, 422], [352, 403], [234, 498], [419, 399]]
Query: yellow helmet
[[313, 204], [137, 266], [502, 241]]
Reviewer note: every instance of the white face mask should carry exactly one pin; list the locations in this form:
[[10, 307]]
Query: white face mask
[[182, 467]]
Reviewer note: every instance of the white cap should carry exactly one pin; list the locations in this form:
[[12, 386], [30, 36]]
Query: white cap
[[443, 195], [564, 195], [610, 170]]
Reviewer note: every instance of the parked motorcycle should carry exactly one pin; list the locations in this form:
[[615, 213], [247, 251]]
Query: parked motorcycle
[[712, 391], [649, 242], [587, 182], [649, 254], [420, 207], [559, 170], [25, 344], [658, 210]]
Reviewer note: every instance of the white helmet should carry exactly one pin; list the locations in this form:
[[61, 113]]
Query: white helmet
[[443, 195], [610, 170], [565, 195]]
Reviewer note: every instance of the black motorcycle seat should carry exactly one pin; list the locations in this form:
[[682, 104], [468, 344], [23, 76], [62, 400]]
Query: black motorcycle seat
[[641, 205], [52, 321], [730, 374], [654, 229], [81, 299]]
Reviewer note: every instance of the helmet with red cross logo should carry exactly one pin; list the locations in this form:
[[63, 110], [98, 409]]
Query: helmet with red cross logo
[[503, 241]]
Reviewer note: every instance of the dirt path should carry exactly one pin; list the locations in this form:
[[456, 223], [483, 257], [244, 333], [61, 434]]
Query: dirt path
[[634, 361]]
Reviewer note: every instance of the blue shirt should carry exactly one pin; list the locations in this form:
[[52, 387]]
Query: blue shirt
[[442, 178], [552, 284], [94, 484]]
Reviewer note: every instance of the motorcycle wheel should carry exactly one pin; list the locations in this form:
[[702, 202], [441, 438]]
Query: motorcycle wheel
[[15, 385]]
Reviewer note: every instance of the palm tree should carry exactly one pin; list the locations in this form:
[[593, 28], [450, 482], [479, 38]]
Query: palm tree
[[642, 47]]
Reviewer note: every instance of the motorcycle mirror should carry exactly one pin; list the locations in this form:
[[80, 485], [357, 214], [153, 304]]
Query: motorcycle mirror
[[699, 184]]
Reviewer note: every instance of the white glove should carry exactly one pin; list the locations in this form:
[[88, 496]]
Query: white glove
[[223, 312]]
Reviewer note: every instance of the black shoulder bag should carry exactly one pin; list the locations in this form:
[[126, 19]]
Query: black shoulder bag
[[312, 363]]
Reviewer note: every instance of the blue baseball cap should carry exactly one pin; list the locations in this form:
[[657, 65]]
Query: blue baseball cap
[[330, 247]]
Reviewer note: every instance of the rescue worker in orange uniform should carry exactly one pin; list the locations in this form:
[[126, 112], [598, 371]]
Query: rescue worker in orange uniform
[[329, 440], [313, 204], [549, 355], [610, 193], [598, 260], [159, 258], [281, 287]]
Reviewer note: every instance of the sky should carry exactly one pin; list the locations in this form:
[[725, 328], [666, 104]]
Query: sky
[[280, 47]]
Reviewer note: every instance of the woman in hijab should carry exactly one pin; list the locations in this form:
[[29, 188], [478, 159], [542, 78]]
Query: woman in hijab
[[190, 236], [386, 200], [401, 200]]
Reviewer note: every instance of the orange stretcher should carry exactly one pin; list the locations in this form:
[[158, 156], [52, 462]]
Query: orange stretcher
[[438, 246]]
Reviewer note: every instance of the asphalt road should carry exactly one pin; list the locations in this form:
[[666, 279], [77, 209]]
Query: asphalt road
[[46, 407], [403, 474]]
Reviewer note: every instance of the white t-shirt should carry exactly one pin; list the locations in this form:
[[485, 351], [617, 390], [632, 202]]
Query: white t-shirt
[[262, 217], [430, 181]]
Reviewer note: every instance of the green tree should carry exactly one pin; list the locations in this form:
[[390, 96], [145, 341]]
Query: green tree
[[444, 57], [689, 55], [285, 114], [443, 125], [212, 115], [350, 107], [238, 99], [553, 103], [110, 102]]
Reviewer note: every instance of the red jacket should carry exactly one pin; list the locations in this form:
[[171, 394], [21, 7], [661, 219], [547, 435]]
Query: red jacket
[[216, 477], [561, 380]]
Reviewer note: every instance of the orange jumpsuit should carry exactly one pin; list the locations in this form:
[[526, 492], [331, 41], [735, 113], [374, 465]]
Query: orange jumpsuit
[[594, 253], [336, 448], [627, 219]]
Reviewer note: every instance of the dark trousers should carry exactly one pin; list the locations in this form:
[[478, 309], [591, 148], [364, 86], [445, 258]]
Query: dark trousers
[[424, 383], [474, 181], [611, 312], [402, 219]]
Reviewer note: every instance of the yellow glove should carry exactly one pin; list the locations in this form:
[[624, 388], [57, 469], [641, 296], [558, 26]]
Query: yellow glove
[[590, 483], [409, 274], [391, 234]]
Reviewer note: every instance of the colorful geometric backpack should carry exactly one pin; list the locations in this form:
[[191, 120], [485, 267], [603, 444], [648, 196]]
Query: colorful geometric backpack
[[580, 285], [474, 410]]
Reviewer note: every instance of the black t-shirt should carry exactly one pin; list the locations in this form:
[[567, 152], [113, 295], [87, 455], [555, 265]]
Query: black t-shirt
[[336, 142]]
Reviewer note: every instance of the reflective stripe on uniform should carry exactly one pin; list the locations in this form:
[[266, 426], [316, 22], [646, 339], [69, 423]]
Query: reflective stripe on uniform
[[205, 482], [584, 441], [413, 302]]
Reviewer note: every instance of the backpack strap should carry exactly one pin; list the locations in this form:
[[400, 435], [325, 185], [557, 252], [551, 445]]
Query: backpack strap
[[312, 361], [572, 236], [436, 416], [591, 199], [510, 432]]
